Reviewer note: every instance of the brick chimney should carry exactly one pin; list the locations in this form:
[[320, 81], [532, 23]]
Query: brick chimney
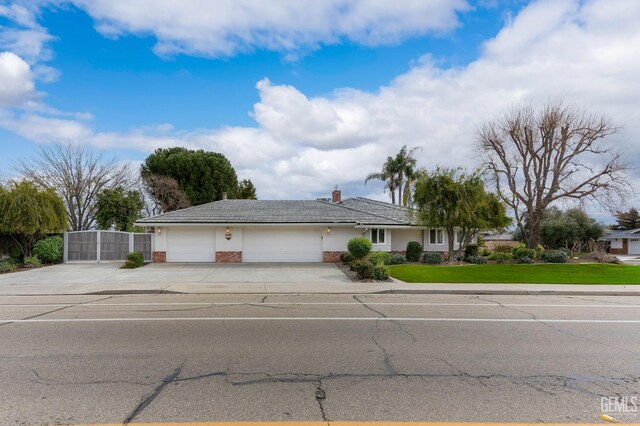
[[336, 195]]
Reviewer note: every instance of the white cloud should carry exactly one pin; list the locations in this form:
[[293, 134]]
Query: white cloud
[[26, 38], [225, 27], [16, 81], [586, 51]]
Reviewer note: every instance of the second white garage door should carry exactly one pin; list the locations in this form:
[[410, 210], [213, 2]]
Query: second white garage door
[[282, 245], [634, 246], [191, 245]]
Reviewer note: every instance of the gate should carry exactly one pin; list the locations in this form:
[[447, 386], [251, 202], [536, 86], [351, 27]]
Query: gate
[[105, 246]]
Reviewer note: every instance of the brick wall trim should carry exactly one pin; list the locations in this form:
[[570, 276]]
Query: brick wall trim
[[331, 256], [159, 257], [228, 257]]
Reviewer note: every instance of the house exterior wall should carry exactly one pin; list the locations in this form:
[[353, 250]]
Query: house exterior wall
[[337, 239], [616, 243], [400, 238], [232, 245]]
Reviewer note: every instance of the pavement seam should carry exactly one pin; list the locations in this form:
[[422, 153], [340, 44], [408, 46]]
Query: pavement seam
[[144, 403]]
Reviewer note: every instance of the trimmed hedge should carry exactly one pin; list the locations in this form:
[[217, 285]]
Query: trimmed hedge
[[359, 247], [554, 256], [504, 249], [397, 259], [414, 250], [49, 249], [380, 257], [503, 257], [136, 258], [346, 257], [432, 257], [522, 252], [363, 268], [526, 259], [478, 260], [381, 272]]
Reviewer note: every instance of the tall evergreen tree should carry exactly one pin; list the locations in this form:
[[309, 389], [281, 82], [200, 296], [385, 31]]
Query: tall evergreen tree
[[628, 220]]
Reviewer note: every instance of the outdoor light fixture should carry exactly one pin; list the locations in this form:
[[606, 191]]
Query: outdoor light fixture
[[227, 233], [328, 229], [158, 231]]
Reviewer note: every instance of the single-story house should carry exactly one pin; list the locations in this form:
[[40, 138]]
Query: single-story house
[[493, 240], [624, 242], [233, 231]]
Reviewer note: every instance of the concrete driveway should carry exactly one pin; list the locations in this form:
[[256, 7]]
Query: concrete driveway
[[171, 273]]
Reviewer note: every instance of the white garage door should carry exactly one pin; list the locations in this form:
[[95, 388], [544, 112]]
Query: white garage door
[[634, 246], [191, 245], [282, 245]]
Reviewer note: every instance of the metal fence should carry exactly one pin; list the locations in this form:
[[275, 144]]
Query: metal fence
[[105, 246]]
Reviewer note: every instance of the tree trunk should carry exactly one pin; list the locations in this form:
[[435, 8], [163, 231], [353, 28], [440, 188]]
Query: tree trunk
[[400, 194], [393, 196], [533, 236], [450, 240]]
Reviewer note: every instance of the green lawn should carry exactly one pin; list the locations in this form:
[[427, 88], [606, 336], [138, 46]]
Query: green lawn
[[519, 274]]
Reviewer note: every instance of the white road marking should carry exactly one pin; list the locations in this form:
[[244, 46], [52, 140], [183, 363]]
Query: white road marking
[[406, 319], [523, 305]]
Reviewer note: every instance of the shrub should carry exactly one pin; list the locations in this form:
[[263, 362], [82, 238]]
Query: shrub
[[346, 257], [359, 247], [478, 260], [129, 265], [485, 252], [520, 252], [380, 257], [432, 257], [503, 249], [49, 250], [397, 259], [554, 256], [539, 250], [7, 266], [414, 250], [503, 257], [381, 272], [471, 250], [136, 258], [32, 262], [492, 255], [363, 268], [526, 259]]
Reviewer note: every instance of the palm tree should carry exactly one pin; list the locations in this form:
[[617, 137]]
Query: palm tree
[[389, 175], [405, 165]]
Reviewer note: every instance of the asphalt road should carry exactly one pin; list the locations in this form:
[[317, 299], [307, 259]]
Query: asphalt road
[[174, 358]]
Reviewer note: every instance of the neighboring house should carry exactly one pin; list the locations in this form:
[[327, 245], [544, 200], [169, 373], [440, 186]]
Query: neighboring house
[[232, 231], [624, 242], [491, 241]]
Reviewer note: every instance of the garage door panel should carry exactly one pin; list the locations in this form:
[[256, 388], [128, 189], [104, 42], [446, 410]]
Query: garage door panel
[[634, 246], [191, 245], [284, 245]]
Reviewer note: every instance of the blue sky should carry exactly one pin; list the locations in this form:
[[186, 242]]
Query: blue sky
[[301, 106]]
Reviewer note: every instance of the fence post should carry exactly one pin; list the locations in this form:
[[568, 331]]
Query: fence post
[[65, 247], [98, 247], [131, 242]]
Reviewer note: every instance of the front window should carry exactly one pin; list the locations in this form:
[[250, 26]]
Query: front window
[[377, 236], [435, 236], [458, 237]]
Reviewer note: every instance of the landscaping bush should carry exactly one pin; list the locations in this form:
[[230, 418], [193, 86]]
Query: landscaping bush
[[136, 258], [485, 252], [364, 268], [32, 262], [346, 257], [381, 272], [49, 250], [7, 266], [471, 251], [503, 249], [526, 259], [520, 252], [359, 247], [380, 257], [539, 251], [397, 259], [554, 256], [432, 257], [503, 257], [478, 260], [414, 250], [492, 255], [129, 265]]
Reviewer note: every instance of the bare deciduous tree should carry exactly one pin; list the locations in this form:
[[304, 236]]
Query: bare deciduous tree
[[537, 157], [77, 173], [162, 194]]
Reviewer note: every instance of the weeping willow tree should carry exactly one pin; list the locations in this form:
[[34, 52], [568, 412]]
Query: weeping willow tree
[[458, 203], [28, 212]]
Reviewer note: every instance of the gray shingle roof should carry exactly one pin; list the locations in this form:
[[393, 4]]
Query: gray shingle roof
[[356, 211], [634, 233]]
